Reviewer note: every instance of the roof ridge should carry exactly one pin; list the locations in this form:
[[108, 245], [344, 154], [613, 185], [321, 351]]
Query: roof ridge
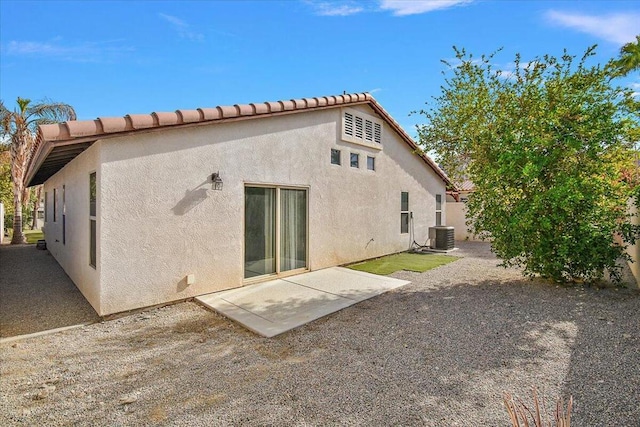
[[130, 122]]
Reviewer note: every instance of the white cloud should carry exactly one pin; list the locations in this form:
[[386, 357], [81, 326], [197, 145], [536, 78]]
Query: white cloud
[[38, 48], [372, 91], [182, 27], [78, 52], [414, 7], [326, 8], [452, 63], [619, 28], [396, 7]]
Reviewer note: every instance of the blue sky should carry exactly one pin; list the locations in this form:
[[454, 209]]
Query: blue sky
[[112, 58]]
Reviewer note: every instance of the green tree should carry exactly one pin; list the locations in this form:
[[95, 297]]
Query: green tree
[[629, 58], [544, 147], [627, 62], [6, 188], [20, 128]]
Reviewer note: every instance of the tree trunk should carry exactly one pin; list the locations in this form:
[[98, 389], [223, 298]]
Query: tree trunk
[[36, 206], [21, 143], [18, 235]]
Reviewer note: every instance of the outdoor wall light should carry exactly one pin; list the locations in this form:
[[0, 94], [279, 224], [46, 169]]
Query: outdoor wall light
[[216, 181]]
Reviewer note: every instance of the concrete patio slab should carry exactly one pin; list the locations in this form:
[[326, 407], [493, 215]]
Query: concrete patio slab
[[347, 283], [279, 305]]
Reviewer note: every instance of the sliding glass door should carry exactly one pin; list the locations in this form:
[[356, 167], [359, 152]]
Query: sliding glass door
[[259, 230], [293, 229], [275, 230]]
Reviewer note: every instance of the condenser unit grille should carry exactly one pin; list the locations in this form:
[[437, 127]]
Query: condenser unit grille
[[444, 237]]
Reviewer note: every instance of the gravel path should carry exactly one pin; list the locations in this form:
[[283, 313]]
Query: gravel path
[[438, 352], [36, 294]]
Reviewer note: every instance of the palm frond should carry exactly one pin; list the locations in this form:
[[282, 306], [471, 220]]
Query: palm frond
[[522, 416], [5, 120], [47, 112]]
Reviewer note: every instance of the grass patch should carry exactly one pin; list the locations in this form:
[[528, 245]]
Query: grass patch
[[32, 236], [403, 261]]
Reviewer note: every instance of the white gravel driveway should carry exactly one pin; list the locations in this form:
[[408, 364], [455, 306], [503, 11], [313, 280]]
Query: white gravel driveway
[[438, 352]]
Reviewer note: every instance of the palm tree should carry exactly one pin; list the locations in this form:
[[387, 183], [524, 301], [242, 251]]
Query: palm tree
[[19, 128], [629, 58]]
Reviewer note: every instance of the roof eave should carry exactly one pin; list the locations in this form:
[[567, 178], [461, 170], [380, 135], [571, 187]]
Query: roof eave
[[36, 161], [89, 131], [387, 117]]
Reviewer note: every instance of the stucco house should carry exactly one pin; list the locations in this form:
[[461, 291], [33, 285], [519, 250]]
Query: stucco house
[[146, 209]]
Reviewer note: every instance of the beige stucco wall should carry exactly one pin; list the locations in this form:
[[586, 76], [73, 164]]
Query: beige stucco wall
[[634, 250], [456, 217], [159, 219], [73, 256], [1, 222]]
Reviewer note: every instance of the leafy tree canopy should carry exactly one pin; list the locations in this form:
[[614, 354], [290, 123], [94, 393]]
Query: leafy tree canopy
[[545, 146], [6, 189]]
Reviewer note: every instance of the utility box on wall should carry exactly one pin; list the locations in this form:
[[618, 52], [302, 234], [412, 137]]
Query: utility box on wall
[[442, 237]]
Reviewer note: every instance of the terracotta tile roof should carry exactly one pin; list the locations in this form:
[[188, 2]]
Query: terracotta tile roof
[[58, 144], [466, 186]]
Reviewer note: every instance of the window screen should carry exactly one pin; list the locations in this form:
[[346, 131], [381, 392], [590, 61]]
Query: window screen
[[335, 156], [355, 160], [404, 201], [92, 220], [371, 163], [404, 212]]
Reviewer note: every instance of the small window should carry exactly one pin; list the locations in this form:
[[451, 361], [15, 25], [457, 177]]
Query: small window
[[46, 205], [335, 157], [55, 202], [404, 212], [92, 243], [92, 220], [438, 209], [92, 194], [355, 160], [371, 163], [64, 217]]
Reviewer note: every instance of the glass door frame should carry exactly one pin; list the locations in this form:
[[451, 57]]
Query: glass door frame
[[278, 273]]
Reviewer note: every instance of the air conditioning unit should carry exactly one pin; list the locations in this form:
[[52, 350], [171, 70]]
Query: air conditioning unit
[[442, 237]]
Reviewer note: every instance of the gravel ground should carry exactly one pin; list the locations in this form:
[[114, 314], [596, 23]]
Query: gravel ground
[[438, 352]]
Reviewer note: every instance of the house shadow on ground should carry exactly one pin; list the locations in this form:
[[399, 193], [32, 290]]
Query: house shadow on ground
[[36, 294]]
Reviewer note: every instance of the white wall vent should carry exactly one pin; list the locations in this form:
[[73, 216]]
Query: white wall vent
[[361, 128]]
